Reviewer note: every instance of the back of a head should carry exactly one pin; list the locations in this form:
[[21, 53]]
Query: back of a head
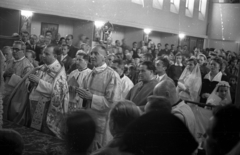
[[226, 129], [158, 134], [165, 88], [80, 131], [158, 103], [123, 113], [11, 142]]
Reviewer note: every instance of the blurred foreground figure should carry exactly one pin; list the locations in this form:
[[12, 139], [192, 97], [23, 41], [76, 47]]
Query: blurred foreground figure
[[158, 134]]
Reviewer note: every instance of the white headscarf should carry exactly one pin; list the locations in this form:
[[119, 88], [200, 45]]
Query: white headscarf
[[192, 82], [214, 98]]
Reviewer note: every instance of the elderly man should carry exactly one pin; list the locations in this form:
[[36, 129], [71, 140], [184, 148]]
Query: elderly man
[[73, 50], [75, 79], [167, 89], [41, 99], [161, 65], [126, 83], [18, 69], [101, 88], [139, 93]]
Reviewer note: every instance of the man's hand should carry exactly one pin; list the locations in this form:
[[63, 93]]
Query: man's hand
[[205, 95], [84, 94], [34, 78]]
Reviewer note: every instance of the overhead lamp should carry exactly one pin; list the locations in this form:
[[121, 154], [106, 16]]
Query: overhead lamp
[[181, 35], [99, 24], [147, 31], [26, 13]]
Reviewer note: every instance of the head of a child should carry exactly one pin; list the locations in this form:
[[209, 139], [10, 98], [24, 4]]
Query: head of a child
[[222, 91], [233, 80]]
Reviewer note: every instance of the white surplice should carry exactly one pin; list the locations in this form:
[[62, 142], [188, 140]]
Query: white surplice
[[126, 84]]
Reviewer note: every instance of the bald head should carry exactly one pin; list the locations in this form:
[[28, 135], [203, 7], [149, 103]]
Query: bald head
[[166, 89]]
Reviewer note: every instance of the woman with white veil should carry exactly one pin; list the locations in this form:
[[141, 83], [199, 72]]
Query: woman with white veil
[[190, 82], [221, 95]]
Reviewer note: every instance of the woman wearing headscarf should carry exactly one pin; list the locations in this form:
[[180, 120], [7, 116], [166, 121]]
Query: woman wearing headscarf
[[190, 82], [221, 95]]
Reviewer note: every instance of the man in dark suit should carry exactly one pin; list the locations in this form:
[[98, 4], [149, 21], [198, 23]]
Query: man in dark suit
[[162, 65], [25, 39], [73, 50], [33, 46], [165, 51], [66, 60]]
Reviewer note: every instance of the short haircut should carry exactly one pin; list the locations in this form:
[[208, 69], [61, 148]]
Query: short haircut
[[166, 44], [65, 45], [6, 48], [32, 52], [48, 31], [134, 42], [85, 56], [24, 32], [150, 65], [233, 77], [123, 113], [160, 44], [164, 60], [61, 38], [178, 54], [148, 56], [219, 61], [116, 41], [81, 129], [157, 133], [23, 46], [158, 103], [119, 62], [227, 128], [70, 35], [172, 45]]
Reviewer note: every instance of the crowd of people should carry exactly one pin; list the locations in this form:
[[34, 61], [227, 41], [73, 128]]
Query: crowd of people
[[116, 99]]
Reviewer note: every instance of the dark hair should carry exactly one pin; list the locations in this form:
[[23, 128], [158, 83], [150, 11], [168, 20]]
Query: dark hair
[[158, 134], [134, 42], [148, 55], [226, 128], [172, 45], [11, 142], [116, 41], [233, 76], [219, 61], [48, 31], [165, 61], [32, 52], [158, 103], [166, 44], [61, 38], [119, 62], [80, 131], [24, 32], [150, 65], [193, 60], [159, 44], [23, 46], [123, 113], [178, 54], [70, 35], [66, 46]]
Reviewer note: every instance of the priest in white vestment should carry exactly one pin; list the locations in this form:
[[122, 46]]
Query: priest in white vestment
[[126, 83], [75, 80], [101, 88], [47, 99]]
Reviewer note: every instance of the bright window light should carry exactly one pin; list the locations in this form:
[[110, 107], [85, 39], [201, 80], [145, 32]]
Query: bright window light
[[181, 35], [202, 9], [158, 4], [99, 24], [189, 8], [147, 31], [26, 13], [174, 6]]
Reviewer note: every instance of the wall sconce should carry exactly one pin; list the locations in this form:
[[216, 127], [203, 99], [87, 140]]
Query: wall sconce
[[181, 35], [26, 14], [147, 31]]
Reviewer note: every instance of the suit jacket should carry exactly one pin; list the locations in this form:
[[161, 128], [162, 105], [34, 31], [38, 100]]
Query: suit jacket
[[165, 77], [72, 52], [37, 49], [67, 62]]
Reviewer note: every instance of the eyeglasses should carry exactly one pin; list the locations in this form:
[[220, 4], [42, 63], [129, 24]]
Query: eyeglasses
[[16, 49]]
